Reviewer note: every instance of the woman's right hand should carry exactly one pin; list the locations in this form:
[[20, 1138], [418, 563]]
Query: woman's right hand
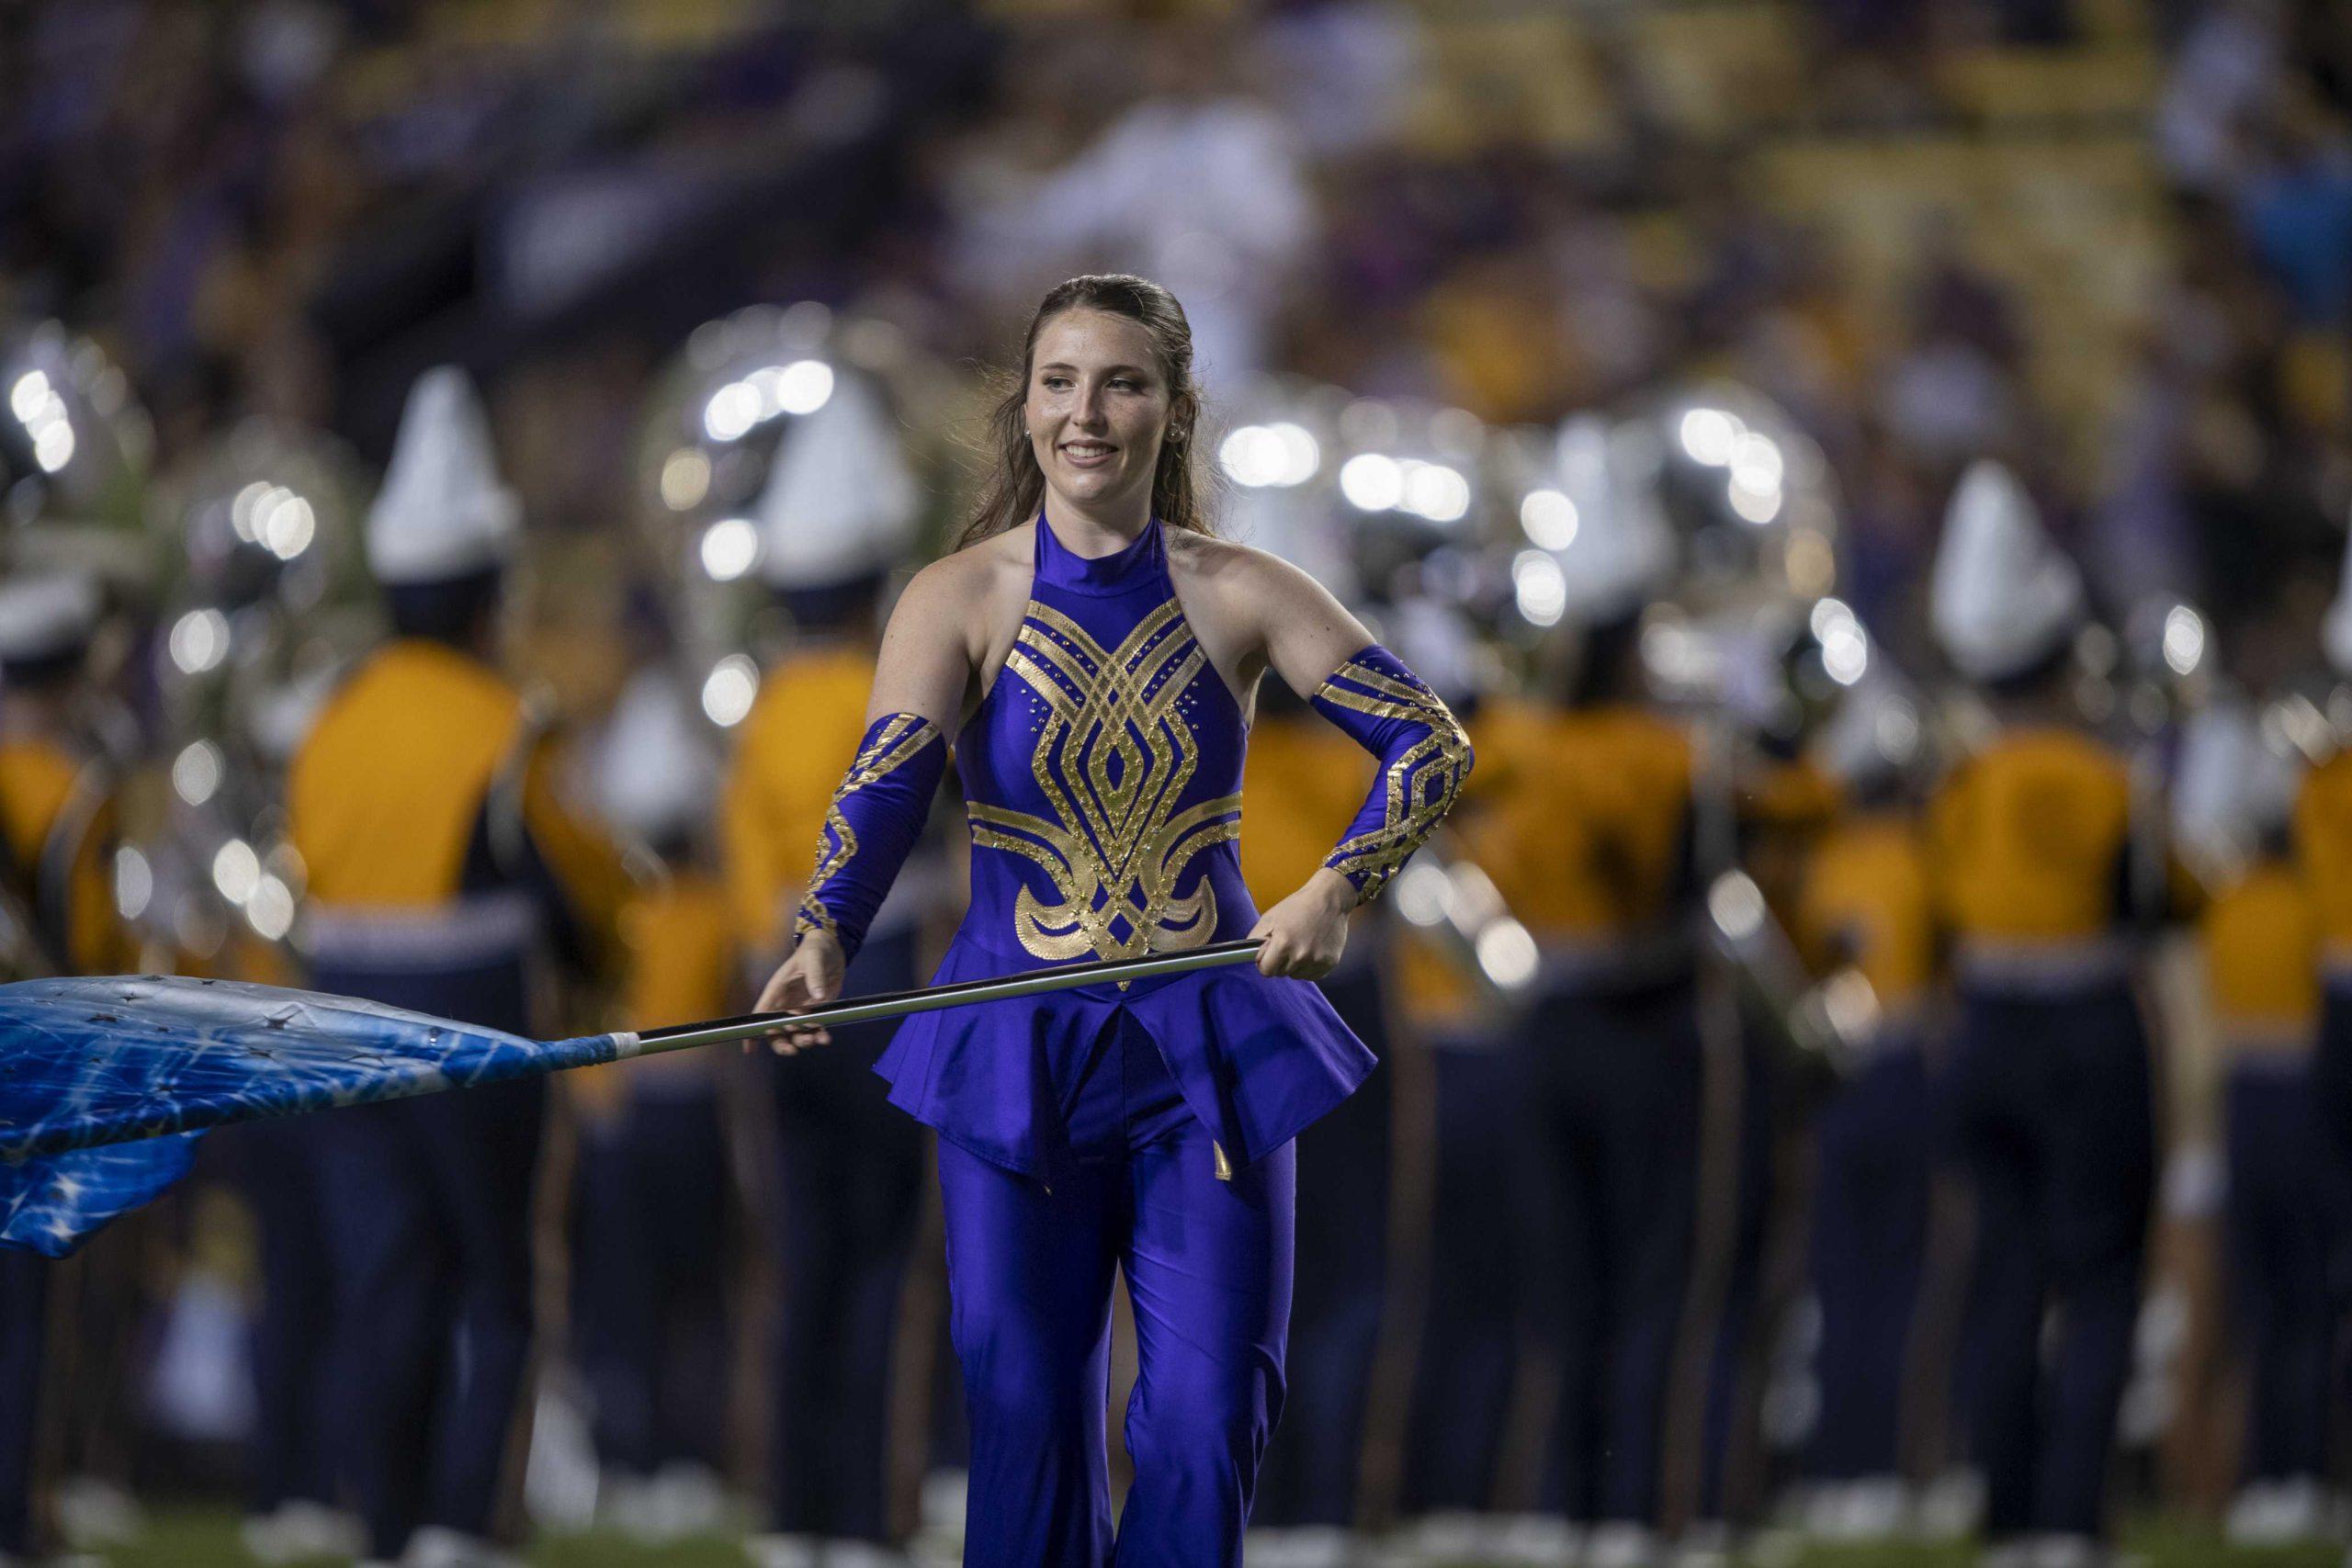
[[810, 977]]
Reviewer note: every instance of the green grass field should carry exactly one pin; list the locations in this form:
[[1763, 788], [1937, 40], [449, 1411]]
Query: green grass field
[[209, 1539], [2157, 1544]]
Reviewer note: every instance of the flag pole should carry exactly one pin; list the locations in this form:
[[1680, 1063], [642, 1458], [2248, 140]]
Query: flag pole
[[959, 993]]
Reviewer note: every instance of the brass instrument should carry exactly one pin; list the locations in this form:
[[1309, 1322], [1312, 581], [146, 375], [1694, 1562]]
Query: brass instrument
[[712, 428], [268, 603], [1416, 491], [1753, 646], [76, 451]]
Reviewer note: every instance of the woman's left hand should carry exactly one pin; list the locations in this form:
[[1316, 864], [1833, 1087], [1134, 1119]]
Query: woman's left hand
[[1307, 933]]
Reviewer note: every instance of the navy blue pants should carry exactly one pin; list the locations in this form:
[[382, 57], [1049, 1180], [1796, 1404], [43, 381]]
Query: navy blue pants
[[2332, 1065], [2286, 1219], [429, 1218], [1729, 1460], [849, 1196], [1870, 1247], [650, 1278], [1030, 1273], [1312, 1465], [297, 1391], [2331, 1074], [2057, 1126], [1607, 1095], [427, 1205], [1468, 1352], [24, 1317]]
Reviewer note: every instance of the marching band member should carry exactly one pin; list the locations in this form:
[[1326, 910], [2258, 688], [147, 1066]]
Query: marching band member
[[2324, 846], [837, 516], [1467, 1362], [653, 1183], [1865, 907], [1304, 780], [1584, 822], [2259, 940], [2036, 860], [57, 829], [293, 1508], [1780, 804], [441, 866], [57, 811], [1094, 651]]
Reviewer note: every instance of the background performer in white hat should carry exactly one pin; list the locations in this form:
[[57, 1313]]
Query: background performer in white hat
[[1866, 906], [1587, 827], [2033, 840], [653, 1186], [837, 517], [443, 869], [2259, 940]]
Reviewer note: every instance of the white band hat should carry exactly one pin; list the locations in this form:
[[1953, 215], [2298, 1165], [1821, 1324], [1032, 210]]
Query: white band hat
[[2004, 596], [2230, 788], [47, 614], [840, 502], [443, 512], [656, 770], [1622, 550]]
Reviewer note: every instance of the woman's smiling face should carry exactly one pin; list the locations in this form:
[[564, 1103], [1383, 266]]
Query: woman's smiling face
[[1097, 410]]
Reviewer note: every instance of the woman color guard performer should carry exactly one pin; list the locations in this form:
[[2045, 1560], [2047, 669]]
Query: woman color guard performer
[[1095, 650]]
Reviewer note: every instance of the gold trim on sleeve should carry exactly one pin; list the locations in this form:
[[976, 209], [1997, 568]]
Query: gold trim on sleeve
[[900, 737], [1419, 784]]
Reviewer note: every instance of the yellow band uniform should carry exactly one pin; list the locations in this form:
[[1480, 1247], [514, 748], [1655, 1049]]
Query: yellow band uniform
[[2031, 845], [2260, 941], [60, 821], [1868, 900], [790, 752], [433, 733]]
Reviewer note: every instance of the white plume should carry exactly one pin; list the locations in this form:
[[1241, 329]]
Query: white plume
[[2004, 595], [444, 512], [841, 500], [1622, 550]]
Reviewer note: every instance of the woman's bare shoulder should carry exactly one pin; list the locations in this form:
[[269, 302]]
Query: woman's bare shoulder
[[1269, 604], [940, 633], [1228, 567]]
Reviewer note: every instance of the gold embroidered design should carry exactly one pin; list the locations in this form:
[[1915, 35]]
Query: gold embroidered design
[[1113, 758], [895, 739], [1419, 784]]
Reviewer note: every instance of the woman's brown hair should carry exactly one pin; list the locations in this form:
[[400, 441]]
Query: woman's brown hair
[[1015, 487]]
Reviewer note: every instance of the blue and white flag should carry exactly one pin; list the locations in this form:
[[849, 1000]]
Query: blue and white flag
[[106, 1083]]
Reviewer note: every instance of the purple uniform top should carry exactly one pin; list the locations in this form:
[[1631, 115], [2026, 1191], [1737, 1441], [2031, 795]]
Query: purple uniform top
[[1101, 774]]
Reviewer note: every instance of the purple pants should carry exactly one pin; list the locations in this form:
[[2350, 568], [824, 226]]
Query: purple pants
[[1208, 1271]]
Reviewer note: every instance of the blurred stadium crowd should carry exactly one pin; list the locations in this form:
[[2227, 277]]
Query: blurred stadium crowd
[[1871, 474]]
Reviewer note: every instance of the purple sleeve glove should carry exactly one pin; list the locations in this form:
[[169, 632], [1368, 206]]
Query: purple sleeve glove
[[872, 822], [1424, 756]]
